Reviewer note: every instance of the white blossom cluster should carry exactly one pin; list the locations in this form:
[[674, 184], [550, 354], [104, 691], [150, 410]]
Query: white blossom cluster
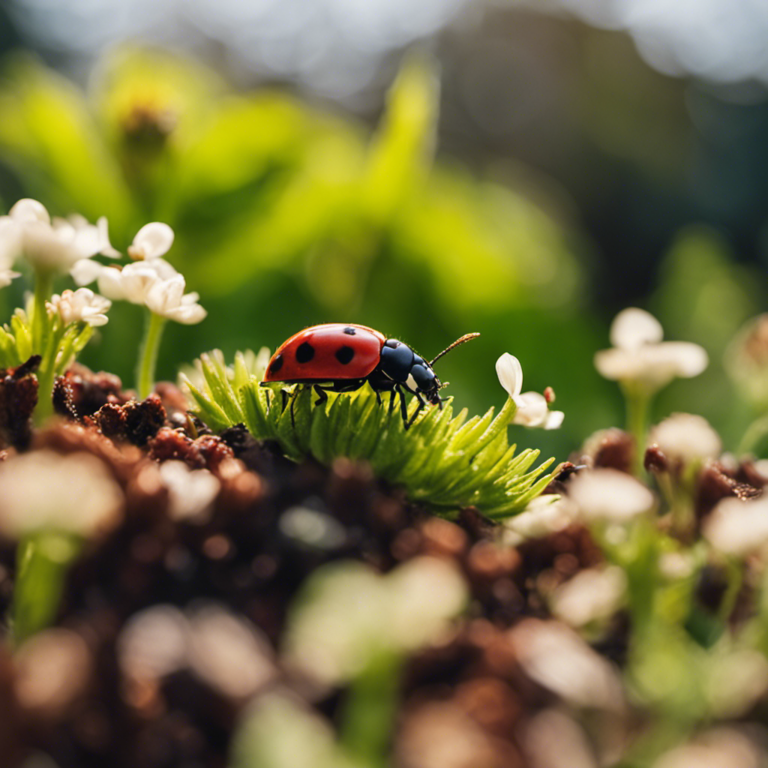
[[149, 280], [59, 246]]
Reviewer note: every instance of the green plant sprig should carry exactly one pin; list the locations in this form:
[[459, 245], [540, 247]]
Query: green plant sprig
[[445, 461]]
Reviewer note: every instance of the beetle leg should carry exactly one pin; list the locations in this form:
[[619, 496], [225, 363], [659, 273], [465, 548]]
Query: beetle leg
[[392, 396], [284, 394], [338, 386], [403, 406], [378, 396], [322, 395], [422, 403]]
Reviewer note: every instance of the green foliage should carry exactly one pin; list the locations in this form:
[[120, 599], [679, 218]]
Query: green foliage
[[15, 341], [277, 203], [444, 461]]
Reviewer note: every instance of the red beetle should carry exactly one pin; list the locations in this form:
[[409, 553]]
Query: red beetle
[[340, 358]]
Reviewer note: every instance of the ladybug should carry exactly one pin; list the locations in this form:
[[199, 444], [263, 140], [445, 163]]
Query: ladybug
[[341, 358]]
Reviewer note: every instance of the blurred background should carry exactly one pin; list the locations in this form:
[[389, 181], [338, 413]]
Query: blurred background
[[522, 169]]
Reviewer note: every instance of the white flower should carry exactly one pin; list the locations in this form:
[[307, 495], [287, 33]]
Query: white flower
[[686, 438], [151, 241], [150, 280], [591, 595], [544, 515], [191, 491], [50, 245], [738, 527], [134, 281], [532, 408], [43, 490], [640, 356], [82, 305], [167, 299], [607, 494]]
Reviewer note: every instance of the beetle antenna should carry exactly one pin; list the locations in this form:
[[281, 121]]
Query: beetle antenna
[[465, 337]]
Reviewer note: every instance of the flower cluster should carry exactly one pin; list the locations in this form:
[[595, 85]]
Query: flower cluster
[[58, 326], [149, 280], [49, 245]]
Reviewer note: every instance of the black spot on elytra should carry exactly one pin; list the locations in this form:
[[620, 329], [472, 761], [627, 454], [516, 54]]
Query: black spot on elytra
[[350, 331], [345, 354], [305, 352], [277, 364]]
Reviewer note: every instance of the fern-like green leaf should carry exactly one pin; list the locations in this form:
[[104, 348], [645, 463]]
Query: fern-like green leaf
[[444, 461]]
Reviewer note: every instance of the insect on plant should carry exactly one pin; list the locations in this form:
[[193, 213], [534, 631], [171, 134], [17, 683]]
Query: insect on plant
[[341, 358]]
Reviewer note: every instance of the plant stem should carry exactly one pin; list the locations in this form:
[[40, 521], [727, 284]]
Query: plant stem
[[43, 292], [42, 562], [45, 377], [369, 710], [150, 344], [756, 431], [638, 402]]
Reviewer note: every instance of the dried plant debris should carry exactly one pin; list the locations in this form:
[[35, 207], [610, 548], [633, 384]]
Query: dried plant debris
[[18, 398]]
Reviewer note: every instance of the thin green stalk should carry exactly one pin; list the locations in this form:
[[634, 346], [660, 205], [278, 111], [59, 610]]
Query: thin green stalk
[[145, 372], [42, 561], [369, 711], [756, 432], [43, 292], [45, 377], [638, 405]]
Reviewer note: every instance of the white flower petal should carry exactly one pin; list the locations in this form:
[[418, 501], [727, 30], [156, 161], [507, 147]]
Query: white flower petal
[[165, 295], [187, 314], [10, 240], [111, 284], [686, 438], [7, 276], [137, 281], [634, 327], [510, 374], [152, 241], [28, 210], [653, 365], [554, 420], [532, 409], [689, 359], [86, 271], [82, 305], [106, 249], [738, 527], [544, 515], [607, 494], [591, 595]]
